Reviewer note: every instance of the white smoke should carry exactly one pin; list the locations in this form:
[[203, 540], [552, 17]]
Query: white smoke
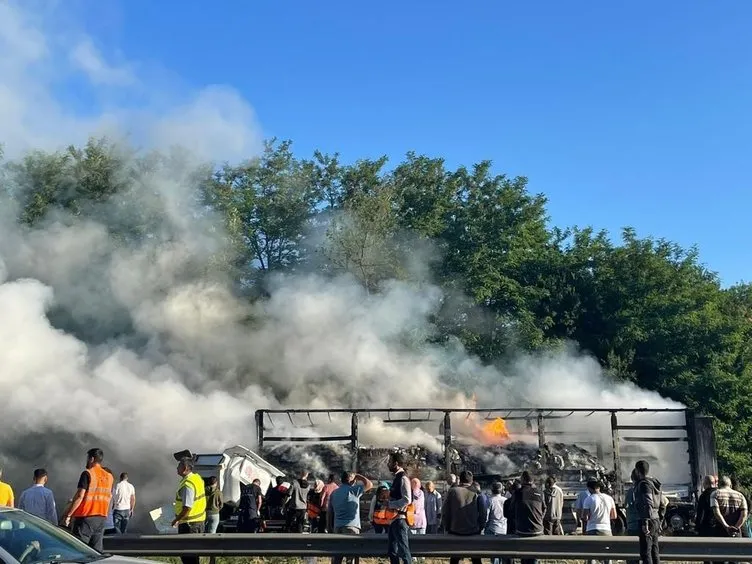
[[160, 355], [44, 51]]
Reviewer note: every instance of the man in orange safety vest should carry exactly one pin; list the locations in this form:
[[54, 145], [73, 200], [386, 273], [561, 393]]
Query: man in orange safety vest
[[91, 503]]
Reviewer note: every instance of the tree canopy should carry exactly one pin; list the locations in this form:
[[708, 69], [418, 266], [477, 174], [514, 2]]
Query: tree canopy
[[647, 309]]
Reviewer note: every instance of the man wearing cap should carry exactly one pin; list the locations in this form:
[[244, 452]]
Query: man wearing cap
[[190, 504]]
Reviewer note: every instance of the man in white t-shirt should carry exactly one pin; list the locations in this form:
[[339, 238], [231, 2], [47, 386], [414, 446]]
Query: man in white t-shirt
[[599, 510], [123, 503]]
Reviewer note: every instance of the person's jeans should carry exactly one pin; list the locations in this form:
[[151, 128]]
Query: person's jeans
[[649, 550], [432, 529], [399, 542], [190, 529], [90, 530], [345, 531], [120, 518], [248, 525], [456, 560], [599, 534], [296, 520], [552, 527], [526, 560], [498, 560], [723, 533], [212, 523], [635, 533]]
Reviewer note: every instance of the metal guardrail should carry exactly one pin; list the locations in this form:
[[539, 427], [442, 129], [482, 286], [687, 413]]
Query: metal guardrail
[[436, 546]]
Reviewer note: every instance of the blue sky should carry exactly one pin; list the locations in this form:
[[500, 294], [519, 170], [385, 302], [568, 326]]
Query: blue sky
[[622, 113]]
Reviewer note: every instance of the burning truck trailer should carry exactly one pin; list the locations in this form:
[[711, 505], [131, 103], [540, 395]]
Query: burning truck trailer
[[498, 444]]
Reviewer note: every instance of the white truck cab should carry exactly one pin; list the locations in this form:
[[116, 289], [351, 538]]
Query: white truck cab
[[234, 466]]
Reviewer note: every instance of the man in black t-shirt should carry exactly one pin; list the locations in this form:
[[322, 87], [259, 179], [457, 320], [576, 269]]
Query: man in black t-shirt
[[249, 508]]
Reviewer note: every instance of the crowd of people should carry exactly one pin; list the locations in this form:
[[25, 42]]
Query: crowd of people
[[398, 509], [464, 509], [99, 507], [517, 507]]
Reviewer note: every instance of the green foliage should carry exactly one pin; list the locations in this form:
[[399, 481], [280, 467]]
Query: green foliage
[[70, 180], [267, 204], [647, 309], [360, 240]]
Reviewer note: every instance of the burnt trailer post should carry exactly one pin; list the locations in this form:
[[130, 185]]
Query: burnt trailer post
[[447, 428], [354, 447]]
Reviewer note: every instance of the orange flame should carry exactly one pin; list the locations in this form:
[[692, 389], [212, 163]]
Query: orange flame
[[494, 432]]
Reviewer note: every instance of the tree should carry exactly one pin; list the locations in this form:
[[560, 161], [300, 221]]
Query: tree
[[361, 238], [425, 193], [267, 204], [73, 180], [494, 240]]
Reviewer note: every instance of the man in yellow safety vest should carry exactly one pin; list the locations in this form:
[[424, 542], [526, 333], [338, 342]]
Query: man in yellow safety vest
[[190, 504]]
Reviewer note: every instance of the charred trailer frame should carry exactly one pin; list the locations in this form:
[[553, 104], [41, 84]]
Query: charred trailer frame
[[696, 431]]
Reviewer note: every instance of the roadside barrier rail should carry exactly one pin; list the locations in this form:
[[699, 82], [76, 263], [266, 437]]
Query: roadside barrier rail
[[685, 549]]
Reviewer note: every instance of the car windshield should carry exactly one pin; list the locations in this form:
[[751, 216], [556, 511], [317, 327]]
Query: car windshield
[[31, 540]]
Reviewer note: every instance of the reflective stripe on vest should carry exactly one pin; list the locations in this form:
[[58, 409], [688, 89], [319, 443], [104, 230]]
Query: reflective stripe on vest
[[382, 516], [314, 510], [197, 512], [390, 515], [96, 501]]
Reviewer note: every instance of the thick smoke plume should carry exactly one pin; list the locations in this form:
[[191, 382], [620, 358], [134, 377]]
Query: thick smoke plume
[[141, 347]]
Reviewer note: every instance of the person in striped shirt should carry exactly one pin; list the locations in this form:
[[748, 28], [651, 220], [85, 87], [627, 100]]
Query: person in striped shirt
[[729, 507]]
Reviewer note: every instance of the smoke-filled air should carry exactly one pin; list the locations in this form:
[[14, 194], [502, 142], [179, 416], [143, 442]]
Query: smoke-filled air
[[130, 320]]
